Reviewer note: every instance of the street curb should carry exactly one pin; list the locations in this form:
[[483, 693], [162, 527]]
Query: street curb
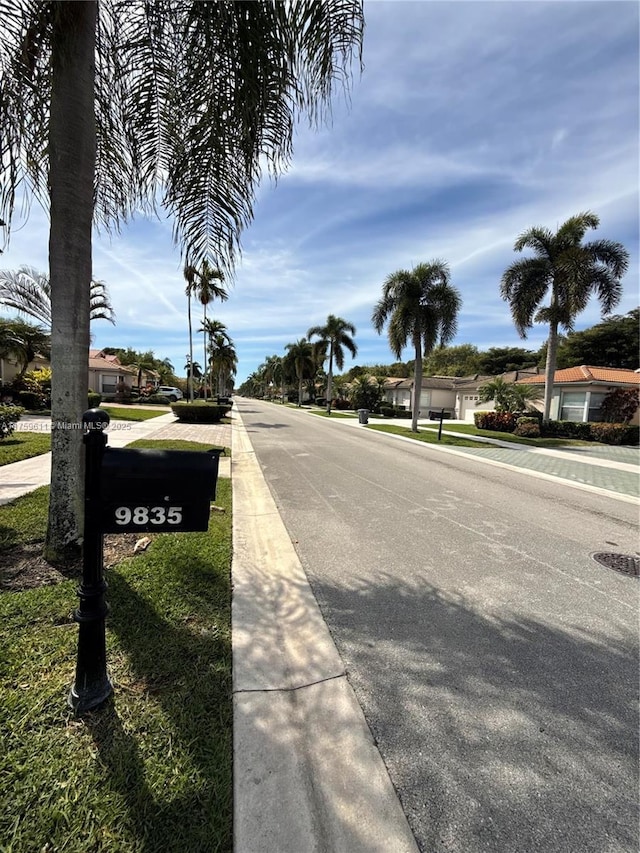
[[307, 773]]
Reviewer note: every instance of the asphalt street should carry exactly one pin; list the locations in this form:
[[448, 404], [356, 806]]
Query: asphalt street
[[495, 661]]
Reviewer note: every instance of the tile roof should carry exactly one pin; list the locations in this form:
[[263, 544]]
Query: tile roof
[[586, 373]]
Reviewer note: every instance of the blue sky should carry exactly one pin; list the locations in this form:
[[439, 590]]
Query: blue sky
[[471, 122]]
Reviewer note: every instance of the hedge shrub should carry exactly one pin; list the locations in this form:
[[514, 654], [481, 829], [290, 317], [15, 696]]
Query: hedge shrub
[[566, 429], [527, 427], [615, 433], [94, 400], [199, 413], [497, 421], [32, 400], [9, 417]]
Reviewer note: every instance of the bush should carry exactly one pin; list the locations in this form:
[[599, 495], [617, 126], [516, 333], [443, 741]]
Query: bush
[[386, 410], [94, 400], [401, 412], [620, 405], [614, 433], [566, 429], [496, 421], [9, 417], [158, 400], [199, 413], [33, 400], [527, 427], [341, 404]]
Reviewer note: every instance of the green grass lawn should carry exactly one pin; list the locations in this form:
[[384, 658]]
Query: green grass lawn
[[424, 435], [122, 413], [24, 445], [470, 429], [151, 770], [334, 414]]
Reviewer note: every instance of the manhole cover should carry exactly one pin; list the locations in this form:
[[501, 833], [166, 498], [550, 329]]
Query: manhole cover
[[619, 563]]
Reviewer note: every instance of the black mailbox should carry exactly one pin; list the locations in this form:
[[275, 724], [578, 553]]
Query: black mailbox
[[156, 490]]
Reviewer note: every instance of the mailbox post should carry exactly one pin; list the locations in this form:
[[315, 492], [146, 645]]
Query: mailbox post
[[92, 686], [126, 490]]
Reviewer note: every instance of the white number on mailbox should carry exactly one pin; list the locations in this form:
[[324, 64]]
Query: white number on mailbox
[[144, 515]]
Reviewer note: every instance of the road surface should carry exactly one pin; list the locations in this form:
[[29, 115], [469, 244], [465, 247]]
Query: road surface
[[495, 661]]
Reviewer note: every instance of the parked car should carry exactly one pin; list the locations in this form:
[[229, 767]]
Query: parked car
[[174, 394]]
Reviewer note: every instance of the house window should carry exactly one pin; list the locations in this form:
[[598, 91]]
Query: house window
[[581, 406]]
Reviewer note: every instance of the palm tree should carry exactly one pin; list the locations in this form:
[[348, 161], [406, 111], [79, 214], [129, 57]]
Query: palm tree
[[336, 336], [273, 371], [189, 274], [508, 396], [223, 360], [107, 114], [420, 306], [206, 290], [29, 292], [193, 370], [23, 341], [300, 356], [209, 328], [571, 272]]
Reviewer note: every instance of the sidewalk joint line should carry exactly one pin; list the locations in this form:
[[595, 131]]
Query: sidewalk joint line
[[342, 674]]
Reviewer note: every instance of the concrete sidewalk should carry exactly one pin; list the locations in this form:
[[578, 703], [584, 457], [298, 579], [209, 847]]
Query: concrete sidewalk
[[29, 474], [610, 470]]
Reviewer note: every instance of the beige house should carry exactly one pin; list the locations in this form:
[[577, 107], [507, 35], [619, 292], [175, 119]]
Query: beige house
[[9, 368], [578, 392], [436, 393], [468, 391], [107, 375]]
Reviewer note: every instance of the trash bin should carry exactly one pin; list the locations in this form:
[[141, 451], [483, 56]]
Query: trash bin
[[363, 416]]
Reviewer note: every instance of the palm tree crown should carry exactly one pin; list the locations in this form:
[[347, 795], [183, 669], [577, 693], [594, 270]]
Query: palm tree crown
[[336, 335], [115, 108], [421, 307], [300, 358], [29, 292], [570, 271]]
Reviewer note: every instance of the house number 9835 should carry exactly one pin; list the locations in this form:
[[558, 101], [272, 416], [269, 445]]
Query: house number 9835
[[148, 515]]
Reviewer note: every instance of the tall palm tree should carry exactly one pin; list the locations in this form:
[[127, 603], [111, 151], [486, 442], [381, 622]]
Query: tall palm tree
[[24, 342], [189, 274], [209, 328], [420, 306], [223, 359], [570, 271], [29, 292], [336, 335], [300, 356], [273, 372], [107, 109], [206, 291]]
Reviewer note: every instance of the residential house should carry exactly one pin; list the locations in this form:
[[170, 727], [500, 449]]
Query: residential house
[[578, 392], [107, 375], [436, 393], [9, 368], [468, 391]]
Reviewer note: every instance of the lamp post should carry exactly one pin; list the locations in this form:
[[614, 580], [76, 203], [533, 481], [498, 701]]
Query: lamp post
[[92, 686]]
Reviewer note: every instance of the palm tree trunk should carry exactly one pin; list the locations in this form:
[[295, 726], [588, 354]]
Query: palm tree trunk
[[300, 390], [190, 378], [550, 369], [417, 382], [330, 379], [204, 363], [72, 160]]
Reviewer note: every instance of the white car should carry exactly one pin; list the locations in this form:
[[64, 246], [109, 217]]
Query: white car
[[174, 394]]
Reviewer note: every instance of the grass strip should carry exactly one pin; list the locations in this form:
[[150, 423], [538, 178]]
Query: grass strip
[[124, 414], [333, 414], [424, 435], [470, 429], [24, 445], [176, 444], [151, 771]]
